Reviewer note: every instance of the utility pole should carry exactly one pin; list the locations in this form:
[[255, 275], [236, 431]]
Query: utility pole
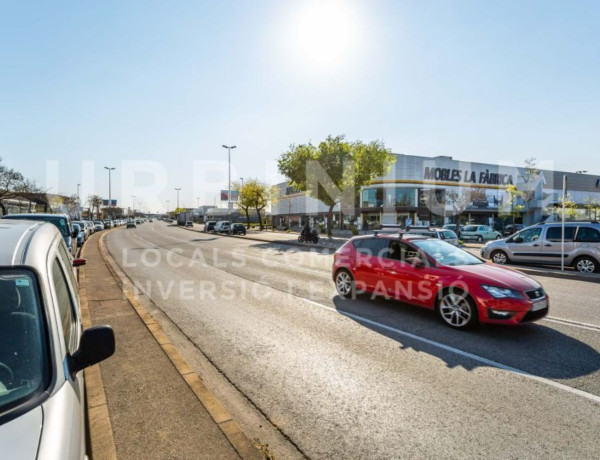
[[177, 189], [133, 205], [229, 148], [109, 192]]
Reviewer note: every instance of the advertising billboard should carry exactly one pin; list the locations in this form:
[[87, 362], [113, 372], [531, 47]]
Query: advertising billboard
[[234, 195]]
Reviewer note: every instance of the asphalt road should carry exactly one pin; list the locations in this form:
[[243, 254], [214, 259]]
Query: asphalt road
[[367, 378]]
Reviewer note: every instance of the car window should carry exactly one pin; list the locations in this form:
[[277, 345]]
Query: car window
[[588, 235], [470, 228], [447, 254], [65, 305], [24, 362], [529, 235], [376, 247], [555, 233], [450, 234]]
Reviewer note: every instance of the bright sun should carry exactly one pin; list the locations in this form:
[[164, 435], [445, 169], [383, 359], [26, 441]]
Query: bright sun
[[323, 33]]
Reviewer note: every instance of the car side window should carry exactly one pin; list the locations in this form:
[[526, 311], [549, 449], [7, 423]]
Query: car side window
[[529, 235], [373, 247], [554, 234], [65, 305], [587, 235]]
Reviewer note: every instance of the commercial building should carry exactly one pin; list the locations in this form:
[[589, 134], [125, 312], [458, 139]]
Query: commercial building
[[435, 190]]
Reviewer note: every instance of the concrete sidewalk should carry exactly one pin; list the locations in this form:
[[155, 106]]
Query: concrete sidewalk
[[145, 402]]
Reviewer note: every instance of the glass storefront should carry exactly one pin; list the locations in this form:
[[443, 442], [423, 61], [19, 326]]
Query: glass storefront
[[374, 197]]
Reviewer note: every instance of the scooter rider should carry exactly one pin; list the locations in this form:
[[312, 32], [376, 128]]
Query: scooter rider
[[306, 230]]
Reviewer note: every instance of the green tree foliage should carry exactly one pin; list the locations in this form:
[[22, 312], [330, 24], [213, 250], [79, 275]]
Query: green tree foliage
[[511, 207], [570, 208], [256, 195], [335, 170]]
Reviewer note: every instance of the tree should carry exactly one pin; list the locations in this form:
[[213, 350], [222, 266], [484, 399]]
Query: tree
[[245, 199], [511, 208], [459, 199], [72, 204], [530, 179], [335, 170], [591, 205], [570, 208], [256, 195], [95, 201], [13, 185]]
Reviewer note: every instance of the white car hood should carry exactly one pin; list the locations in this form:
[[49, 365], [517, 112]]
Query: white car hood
[[20, 438]]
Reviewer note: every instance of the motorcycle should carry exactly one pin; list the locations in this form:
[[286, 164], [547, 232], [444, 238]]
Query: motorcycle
[[313, 237]]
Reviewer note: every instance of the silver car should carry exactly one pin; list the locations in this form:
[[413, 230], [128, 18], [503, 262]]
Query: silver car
[[542, 244], [441, 233], [43, 347]]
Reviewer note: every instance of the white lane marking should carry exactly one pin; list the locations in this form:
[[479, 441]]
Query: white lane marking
[[462, 353], [568, 322]]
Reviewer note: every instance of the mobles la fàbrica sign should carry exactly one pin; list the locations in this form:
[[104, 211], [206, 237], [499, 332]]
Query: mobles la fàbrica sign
[[473, 177]]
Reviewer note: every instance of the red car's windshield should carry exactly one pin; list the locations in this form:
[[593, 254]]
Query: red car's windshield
[[446, 254]]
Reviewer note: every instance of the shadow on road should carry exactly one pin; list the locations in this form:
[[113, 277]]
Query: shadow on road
[[533, 348]]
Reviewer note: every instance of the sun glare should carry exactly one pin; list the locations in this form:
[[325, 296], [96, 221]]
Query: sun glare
[[323, 33]]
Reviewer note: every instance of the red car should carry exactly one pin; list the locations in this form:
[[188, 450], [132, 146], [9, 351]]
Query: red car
[[428, 272]]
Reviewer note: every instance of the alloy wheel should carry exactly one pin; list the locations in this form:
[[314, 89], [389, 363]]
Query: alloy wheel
[[343, 283], [586, 266], [499, 258], [456, 310]]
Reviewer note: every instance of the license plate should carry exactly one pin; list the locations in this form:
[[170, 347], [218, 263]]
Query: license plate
[[539, 305]]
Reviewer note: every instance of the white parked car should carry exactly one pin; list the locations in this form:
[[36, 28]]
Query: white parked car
[[222, 226], [43, 348]]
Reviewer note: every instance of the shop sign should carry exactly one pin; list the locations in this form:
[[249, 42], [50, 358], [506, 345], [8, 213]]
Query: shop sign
[[473, 177]]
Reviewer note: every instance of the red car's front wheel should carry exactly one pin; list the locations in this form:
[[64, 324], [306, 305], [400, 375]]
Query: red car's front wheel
[[344, 283], [457, 309]]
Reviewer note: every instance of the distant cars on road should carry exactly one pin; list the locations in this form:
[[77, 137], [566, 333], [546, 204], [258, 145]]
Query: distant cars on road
[[462, 289], [43, 346], [131, 224], [189, 223], [542, 244], [209, 226]]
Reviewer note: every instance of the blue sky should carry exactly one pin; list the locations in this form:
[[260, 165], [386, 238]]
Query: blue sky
[[160, 86]]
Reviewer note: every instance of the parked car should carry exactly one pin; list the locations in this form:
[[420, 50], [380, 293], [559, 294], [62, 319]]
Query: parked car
[[60, 221], [513, 228], [447, 235], [131, 224], [189, 223], [85, 229], [80, 234], [222, 226], [424, 272], [89, 225], [542, 244], [209, 226], [44, 347], [98, 225], [237, 229], [479, 233]]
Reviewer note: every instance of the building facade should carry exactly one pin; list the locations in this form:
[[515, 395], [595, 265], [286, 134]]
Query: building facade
[[436, 190]]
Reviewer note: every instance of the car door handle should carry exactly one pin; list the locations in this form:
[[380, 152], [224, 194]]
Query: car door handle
[[535, 245], [548, 245]]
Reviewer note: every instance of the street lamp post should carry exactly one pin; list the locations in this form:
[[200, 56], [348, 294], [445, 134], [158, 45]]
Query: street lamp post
[[242, 179], [229, 175], [177, 189], [78, 202], [109, 192], [133, 205]]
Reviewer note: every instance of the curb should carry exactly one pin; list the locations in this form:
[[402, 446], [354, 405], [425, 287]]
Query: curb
[[230, 428], [100, 442]]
